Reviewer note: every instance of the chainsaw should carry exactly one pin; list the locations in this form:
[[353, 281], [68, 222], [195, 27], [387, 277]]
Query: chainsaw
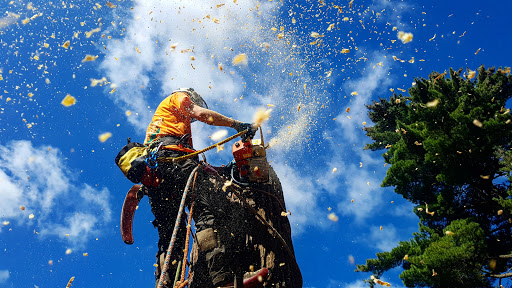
[[250, 161]]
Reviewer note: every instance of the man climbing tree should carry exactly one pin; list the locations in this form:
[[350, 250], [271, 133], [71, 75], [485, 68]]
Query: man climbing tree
[[169, 132], [449, 145]]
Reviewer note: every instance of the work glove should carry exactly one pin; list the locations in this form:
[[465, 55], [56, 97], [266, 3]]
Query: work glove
[[250, 128]]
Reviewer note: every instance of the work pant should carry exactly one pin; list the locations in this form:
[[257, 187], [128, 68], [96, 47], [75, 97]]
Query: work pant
[[221, 236], [165, 202]]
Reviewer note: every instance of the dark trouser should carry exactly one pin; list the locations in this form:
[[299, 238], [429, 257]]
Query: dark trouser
[[221, 232], [165, 202]]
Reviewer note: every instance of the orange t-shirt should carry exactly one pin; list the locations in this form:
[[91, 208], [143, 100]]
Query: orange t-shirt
[[170, 118]]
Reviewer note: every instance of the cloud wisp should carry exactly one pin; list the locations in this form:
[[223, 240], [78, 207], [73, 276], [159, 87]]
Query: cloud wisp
[[39, 191], [168, 45], [4, 276]]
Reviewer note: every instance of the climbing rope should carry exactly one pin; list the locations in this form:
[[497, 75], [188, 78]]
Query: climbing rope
[[188, 156], [189, 227], [176, 226]]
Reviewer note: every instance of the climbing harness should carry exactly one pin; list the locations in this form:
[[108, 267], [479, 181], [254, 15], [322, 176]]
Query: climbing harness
[[151, 161]]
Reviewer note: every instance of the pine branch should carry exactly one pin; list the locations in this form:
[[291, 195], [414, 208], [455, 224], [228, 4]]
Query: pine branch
[[500, 276]]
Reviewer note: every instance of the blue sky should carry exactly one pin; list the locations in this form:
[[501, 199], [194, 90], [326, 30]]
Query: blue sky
[[53, 164]]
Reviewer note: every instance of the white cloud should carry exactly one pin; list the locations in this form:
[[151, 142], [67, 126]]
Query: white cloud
[[364, 188], [355, 284], [144, 78], [182, 32], [373, 82], [394, 12], [38, 179], [4, 275], [359, 182], [168, 33], [11, 18], [300, 197], [385, 239]]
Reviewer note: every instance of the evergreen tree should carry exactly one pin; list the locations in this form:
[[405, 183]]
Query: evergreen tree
[[449, 147]]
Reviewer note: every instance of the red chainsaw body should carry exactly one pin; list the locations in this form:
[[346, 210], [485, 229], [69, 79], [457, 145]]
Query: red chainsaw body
[[251, 160]]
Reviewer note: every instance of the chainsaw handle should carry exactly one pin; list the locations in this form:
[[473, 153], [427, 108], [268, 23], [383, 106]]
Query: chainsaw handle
[[129, 206]]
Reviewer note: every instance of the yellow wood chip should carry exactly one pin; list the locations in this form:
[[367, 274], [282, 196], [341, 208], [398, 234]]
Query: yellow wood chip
[[68, 251], [89, 33], [104, 137], [110, 5], [477, 123], [219, 135], [354, 93], [428, 212], [345, 51], [380, 282], [334, 170], [226, 185], [500, 212], [89, 58], [85, 254], [137, 49], [70, 280], [66, 44], [95, 82], [333, 217], [240, 59], [477, 51], [261, 116], [405, 37], [330, 27], [68, 101], [471, 74]]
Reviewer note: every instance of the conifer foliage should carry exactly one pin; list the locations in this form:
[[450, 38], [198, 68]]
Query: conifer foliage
[[449, 149]]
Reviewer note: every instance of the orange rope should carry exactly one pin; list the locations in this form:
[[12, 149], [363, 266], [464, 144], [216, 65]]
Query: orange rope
[[187, 240]]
